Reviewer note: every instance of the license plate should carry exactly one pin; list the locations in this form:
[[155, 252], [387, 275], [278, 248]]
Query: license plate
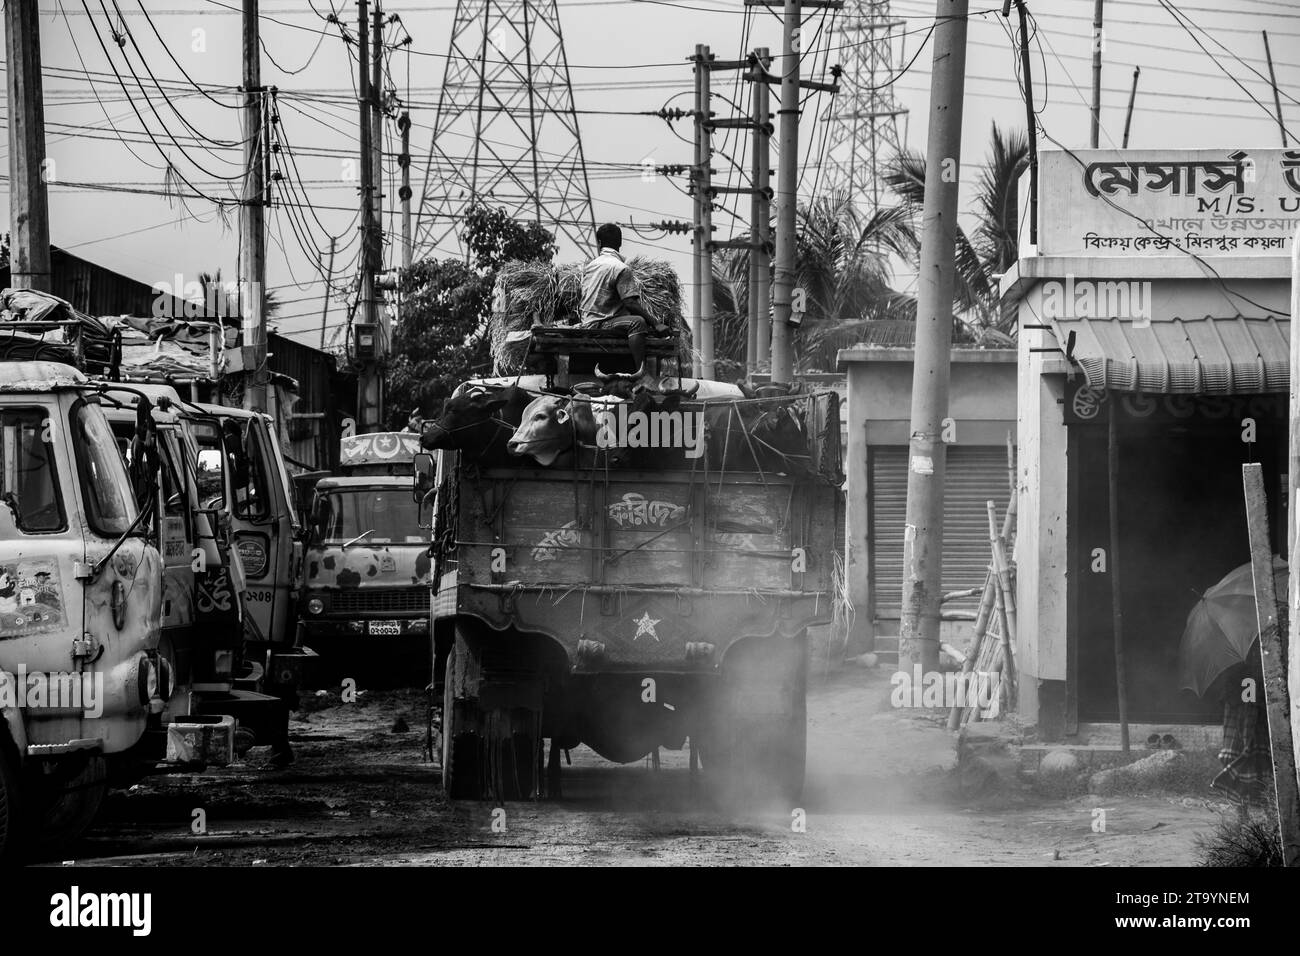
[[384, 627]]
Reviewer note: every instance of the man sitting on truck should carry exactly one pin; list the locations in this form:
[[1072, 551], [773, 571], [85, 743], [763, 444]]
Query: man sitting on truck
[[610, 297]]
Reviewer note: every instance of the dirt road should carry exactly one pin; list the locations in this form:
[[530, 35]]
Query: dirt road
[[880, 791]]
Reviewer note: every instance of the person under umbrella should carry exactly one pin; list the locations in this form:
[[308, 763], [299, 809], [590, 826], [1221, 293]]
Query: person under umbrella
[[1219, 653]]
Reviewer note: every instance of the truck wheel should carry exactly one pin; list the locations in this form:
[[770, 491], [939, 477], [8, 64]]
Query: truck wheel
[[462, 746], [487, 753], [65, 806], [9, 823], [757, 748]]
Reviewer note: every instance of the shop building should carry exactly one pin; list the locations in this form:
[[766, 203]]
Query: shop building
[[1157, 296], [983, 411]]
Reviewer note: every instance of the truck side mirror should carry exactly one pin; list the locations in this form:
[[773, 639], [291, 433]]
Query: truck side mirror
[[425, 476], [425, 483]]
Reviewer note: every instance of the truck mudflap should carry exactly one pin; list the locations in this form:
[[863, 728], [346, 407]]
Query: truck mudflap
[[292, 668], [265, 717]]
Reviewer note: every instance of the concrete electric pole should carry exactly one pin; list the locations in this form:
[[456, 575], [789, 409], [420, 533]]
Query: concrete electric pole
[[923, 530], [253, 235], [365, 334], [703, 257], [29, 216], [758, 344]]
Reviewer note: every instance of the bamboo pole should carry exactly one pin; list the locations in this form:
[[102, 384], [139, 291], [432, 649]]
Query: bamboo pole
[[1117, 615], [1272, 620], [977, 642], [1004, 570]]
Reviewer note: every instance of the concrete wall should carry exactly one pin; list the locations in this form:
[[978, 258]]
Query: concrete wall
[[1041, 542], [982, 402]]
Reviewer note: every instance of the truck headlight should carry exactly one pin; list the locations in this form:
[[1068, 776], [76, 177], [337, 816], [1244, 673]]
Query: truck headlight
[[315, 606], [146, 681]]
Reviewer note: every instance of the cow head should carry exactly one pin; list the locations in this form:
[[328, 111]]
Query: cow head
[[546, 430]]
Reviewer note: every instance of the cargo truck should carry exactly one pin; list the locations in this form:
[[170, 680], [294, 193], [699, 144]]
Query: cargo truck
[[629, 598], [365, 599]]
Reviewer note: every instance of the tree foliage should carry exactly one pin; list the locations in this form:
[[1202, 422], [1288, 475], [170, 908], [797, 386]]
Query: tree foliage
[[842, 266], [440, 338], [991, 248]]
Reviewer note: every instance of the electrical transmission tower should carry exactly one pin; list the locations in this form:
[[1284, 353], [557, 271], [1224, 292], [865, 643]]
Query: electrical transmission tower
[[864, 127], [506, 132]]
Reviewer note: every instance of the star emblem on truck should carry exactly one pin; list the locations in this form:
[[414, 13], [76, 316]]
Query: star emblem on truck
[[645, 624]]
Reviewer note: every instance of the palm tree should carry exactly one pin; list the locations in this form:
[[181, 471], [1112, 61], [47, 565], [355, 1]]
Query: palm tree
[[992, 248], [842, 275], [842, 262]]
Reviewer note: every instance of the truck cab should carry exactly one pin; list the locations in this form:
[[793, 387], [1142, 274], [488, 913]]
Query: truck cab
[[267, 535], [81, 677], [204, 623], [365, 604]]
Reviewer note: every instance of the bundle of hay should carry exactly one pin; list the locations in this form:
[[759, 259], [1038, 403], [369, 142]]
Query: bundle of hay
[[524, 295], [661, 291], [539, 293], [568, 292]]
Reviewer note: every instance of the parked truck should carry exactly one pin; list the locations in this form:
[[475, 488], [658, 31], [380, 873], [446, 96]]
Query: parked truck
[[628, 595], [365, 603], [84, 680], [269, 537], [209, 633]]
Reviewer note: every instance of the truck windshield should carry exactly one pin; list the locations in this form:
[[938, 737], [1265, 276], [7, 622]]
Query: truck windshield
[[28, 480], [388, 514], [104, 481]]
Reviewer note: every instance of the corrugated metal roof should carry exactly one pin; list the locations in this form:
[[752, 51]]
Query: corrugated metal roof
[[1206, 356]]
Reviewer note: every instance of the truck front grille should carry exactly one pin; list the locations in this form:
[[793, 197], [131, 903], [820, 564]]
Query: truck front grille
[[379, 600]]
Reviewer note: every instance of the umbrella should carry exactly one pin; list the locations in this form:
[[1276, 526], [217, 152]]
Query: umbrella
[[1222, 627]]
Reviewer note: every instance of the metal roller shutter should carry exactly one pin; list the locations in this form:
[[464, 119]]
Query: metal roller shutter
[[975, 475]]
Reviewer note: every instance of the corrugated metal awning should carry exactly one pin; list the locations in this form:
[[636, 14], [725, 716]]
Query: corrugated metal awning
[[1182, 356]]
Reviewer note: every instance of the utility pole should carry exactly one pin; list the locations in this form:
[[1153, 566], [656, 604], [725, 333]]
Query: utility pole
[[703, 258], [1293, 506], [760, 172], [784, 315], [325, 306], [1031, 118], [1272, 81], [1096, 73], [377, 124], [1132, 97], [253, 261], [383, 333], [927, 456], [29, 214], [787, 184], [364, 337], [404, 193]]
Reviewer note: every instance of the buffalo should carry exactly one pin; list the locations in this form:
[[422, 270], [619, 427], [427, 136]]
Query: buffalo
[[757, 436], [478, 422]]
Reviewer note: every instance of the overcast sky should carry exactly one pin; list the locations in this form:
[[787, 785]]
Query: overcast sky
[[624, 55]]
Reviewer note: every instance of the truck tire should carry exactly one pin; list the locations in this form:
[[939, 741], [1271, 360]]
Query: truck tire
[[486, 754], [756, 749], [10, 826], [462, 750]]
